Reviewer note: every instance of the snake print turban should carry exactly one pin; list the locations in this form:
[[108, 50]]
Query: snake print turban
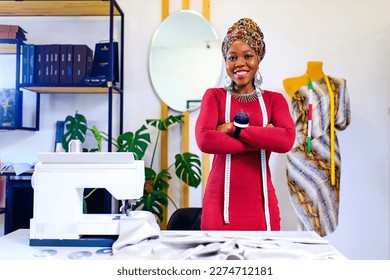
[[247, 31]]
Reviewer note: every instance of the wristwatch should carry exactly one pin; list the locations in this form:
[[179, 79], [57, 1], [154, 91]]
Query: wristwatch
[[241, 120]]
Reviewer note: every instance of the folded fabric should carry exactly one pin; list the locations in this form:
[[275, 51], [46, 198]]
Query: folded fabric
[[134, 228]]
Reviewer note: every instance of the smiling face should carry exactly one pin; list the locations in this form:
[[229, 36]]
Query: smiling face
[[241, 66]]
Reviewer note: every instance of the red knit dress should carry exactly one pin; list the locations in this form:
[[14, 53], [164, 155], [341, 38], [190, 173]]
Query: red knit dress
[[246, 203]]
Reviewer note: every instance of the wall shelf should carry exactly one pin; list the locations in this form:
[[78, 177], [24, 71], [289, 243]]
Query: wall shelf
[[7, 48], [57, 8], [70, 89]]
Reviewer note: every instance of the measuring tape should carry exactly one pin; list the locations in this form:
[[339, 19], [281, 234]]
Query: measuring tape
[[309, 116], [332, 126], [332, 134], [263, 167], [227, 167]]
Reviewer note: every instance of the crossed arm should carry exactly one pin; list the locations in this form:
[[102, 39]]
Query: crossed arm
[[215, 138]]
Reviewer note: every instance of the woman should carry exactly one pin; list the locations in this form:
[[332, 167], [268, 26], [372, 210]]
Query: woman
[[240, 176]]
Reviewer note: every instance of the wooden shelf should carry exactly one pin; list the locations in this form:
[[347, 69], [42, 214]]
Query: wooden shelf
[[12, 172], [7, 48], [56, 8], [69, 89]]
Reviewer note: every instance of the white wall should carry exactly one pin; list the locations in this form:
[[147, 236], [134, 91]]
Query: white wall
[[349, 36]]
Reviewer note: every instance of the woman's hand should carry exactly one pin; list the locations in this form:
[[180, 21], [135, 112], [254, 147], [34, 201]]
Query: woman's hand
[[225, 127]]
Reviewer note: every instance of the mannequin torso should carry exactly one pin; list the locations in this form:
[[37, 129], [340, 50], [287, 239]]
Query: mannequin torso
[[313, 71]]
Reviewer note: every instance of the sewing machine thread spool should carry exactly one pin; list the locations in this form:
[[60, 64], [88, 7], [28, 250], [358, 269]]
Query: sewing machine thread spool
[[75, 146]]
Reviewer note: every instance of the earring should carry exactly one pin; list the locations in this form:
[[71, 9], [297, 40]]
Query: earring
[[228, 84], [258, 81]]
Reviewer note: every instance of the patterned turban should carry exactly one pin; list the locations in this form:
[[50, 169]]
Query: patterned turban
[[247, 31]]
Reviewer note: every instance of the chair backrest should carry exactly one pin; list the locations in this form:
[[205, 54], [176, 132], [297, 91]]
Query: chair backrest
[[185, 219]]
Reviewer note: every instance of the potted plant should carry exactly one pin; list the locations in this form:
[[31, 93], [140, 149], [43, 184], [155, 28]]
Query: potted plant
[[187, 166]]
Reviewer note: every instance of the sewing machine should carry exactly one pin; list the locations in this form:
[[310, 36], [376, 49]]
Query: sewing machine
[[59, 180]]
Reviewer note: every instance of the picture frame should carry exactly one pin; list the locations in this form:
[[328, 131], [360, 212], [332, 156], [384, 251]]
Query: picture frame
[[193, 104]]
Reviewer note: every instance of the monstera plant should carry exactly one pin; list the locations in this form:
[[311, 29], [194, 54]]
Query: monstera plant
[[187, 166]]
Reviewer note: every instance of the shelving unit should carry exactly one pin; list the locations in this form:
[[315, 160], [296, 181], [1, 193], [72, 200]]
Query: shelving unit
[[103, 8], [108, 8]]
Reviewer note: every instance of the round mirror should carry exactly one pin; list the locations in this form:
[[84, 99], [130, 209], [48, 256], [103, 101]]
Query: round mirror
[[185, 59]]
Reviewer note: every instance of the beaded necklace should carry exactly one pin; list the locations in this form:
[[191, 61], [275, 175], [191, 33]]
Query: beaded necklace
[[244, 97]]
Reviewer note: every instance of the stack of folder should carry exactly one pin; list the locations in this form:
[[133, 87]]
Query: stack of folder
[[9, 31]]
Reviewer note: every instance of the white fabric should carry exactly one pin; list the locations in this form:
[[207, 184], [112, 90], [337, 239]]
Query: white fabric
[[202, 245], [182, 245], [138, 226]]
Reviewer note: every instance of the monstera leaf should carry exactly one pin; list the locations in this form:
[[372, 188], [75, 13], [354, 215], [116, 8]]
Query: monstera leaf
[[76, 128], [153, 202], [163, 124], [188, 169], [136, 143], [161, 180], [154, 196]]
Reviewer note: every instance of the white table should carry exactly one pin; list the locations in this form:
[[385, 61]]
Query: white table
[[294, 245]]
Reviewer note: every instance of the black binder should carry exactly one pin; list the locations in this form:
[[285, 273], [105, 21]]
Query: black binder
[[100, 65]]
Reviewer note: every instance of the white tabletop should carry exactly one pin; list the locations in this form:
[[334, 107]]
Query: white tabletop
[[183, 245]]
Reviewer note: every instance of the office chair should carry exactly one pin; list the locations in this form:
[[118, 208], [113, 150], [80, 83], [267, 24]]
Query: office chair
[[185, 219]]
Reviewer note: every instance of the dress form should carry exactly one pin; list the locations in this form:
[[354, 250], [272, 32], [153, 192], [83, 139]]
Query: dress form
[[313, 71], [313, 173]]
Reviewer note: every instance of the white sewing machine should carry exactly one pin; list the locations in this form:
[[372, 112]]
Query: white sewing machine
[[59, 180]]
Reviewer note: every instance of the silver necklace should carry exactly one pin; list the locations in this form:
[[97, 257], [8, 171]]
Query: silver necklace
[[244, 97]]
